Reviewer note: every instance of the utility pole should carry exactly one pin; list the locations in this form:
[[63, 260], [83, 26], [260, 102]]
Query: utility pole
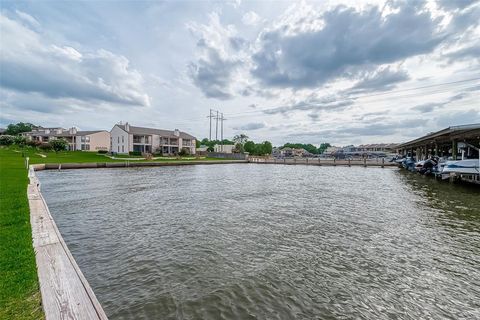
[[216, 127], [210, 133], [221, 119]]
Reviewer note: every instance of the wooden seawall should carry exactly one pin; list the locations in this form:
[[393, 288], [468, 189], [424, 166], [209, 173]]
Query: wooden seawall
[[65, 292], [127, 164], [325, 162]]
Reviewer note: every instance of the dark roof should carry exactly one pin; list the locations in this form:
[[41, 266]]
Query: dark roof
[[150, 131], [65, 133], [446, 134], [86, 133]]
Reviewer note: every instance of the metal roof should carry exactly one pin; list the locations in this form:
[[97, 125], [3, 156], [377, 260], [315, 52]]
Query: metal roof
[[447, 134]]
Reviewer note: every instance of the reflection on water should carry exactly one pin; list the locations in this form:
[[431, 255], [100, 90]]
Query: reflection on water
[[253, 241]]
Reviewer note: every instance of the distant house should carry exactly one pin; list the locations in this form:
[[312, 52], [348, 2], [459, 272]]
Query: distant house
[[203, 148], [226, 148], [126, 138], [378, 147], [331, 150], [77, 140], [291, 152]]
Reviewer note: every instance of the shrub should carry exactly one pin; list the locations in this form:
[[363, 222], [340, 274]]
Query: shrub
[[45, 146], [184, 152], [135, 153], [103, 151], [20, 141], [6, 140], [59, 144]]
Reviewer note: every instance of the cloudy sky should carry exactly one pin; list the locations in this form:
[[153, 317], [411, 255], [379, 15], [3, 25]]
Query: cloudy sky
[[283, 71]]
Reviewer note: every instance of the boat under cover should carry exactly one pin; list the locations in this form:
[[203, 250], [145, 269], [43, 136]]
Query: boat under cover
[[469, 166]]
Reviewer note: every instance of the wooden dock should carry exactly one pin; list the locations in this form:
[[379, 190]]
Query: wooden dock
[[65, 292]]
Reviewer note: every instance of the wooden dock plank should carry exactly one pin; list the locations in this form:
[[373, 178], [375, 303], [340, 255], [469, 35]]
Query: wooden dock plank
[[65, 292], [63, 295]]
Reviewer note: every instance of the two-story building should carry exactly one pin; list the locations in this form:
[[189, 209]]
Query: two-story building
[[77, 140], [126, 138]]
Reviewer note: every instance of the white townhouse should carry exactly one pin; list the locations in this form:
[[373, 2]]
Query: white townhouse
[[126, 138], [77, 140]]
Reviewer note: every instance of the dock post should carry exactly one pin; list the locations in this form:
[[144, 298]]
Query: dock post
[[349, 162], [334, 162], [383, 162], [284, 160], [319, 162], [307, 160], [365, 162]]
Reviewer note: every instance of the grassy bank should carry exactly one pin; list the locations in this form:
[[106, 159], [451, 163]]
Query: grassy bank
[[36, 156], [19, 290]]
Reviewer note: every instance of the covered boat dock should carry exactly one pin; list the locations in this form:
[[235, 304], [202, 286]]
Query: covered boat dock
[[454, 143]]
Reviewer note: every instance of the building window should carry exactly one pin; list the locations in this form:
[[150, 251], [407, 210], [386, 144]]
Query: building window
[[118, 139], [87, 139], [122, 140], [118, 147], [123, 150]]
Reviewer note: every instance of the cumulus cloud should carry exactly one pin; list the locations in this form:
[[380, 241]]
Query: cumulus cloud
[[312, 103], [347, 41], [251, 126], [379, 129], [212, 74], [213, 71], [458, 118], [251, 18], [27, 18], [380, 80], [30, 64], [431, 106], [465, 53], [455, 4]]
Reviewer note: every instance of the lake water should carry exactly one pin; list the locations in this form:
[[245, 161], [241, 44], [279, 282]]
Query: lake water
[[246, 241]]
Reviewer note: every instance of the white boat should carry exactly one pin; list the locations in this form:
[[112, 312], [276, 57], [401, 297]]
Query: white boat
[[469, 166]]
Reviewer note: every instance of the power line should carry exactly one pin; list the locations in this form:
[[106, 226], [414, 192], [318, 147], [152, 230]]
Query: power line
[[245, 113], [234, 115]]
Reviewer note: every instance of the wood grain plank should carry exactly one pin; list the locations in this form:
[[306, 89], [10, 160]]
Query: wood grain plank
[[65, 292]]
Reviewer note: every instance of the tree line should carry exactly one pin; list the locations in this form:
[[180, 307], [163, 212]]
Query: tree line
[[241, 143], [309, 147], [12, 136]]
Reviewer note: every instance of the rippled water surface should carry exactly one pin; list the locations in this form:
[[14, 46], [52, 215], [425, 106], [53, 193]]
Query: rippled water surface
[[246, 241]]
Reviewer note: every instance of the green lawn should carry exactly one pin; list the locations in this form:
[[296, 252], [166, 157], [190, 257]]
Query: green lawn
[[19, 291], [82, 156]]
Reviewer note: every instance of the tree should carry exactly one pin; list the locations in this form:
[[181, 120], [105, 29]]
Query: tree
[[59, 144], [239, 148], [323, 147], [267, 147], [15, 129], [240, 138], [249, 147], [197, 144]]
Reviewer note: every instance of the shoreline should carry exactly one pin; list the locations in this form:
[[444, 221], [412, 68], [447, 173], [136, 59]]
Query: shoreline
[[65, 292]]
